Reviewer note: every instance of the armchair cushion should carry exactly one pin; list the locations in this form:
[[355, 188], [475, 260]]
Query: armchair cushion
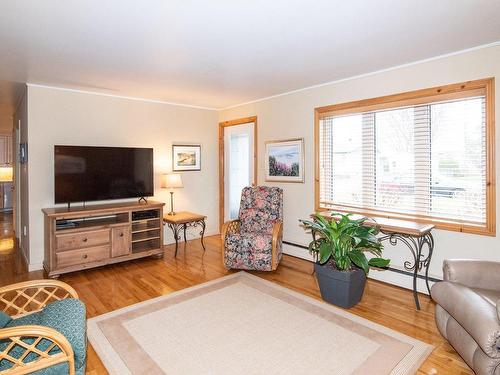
[[260, 208], [473, 273], [492, 296], [67, 317], [4, 319], [249, 250], [17, 351], [27, 320]]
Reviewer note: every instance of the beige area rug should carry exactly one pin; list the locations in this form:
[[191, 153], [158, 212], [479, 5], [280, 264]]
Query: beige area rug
[[242, 324]]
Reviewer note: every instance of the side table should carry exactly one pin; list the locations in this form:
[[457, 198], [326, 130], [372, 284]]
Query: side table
[[184, 220]]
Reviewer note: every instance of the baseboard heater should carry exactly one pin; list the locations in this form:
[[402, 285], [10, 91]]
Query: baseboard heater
[[397, 270]]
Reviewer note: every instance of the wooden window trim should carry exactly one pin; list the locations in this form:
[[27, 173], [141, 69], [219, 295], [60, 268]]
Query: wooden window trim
[[429, 95]]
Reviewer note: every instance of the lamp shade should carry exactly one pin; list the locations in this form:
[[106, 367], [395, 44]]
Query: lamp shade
[[171, 180], [6, 174]]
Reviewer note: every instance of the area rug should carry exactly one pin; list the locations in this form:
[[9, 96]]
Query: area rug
[[242, 324]]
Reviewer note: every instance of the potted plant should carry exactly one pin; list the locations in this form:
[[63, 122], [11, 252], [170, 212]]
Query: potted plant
[[339, 246]]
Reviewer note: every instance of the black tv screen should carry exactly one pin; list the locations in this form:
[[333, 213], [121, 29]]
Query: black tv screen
[[85, 173]]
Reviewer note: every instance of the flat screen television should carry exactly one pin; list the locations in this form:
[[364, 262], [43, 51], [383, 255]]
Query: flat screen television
[[87, 173]]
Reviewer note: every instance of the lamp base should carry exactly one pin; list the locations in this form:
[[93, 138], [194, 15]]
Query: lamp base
[[171, 213]]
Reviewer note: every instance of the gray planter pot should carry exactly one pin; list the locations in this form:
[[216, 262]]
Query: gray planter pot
[[342, 288]]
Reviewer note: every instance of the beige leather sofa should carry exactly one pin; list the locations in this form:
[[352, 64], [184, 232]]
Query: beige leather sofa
[[468, 312]]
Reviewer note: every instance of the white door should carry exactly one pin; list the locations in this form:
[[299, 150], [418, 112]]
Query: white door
[[238, 165]]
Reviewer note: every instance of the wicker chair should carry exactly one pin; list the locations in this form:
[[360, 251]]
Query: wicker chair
[[42, 329], [254, 241]]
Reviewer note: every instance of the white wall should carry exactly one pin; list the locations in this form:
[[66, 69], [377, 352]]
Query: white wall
[[74, 118], [21, 211], [292, 116]]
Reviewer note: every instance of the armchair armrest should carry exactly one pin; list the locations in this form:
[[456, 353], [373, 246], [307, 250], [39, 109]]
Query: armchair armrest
[[473, 273], [15, 337], [474, 313], [31, 296], [277, 243], [232, 226]]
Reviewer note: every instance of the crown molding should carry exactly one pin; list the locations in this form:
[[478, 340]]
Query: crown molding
[[88, 92]]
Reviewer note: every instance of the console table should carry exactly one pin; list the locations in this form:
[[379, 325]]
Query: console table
[[83, 237], [416, 236], [184, 220]]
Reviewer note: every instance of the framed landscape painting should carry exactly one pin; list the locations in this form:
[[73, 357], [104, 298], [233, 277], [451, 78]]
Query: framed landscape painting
[[285, 160], [186, 158]]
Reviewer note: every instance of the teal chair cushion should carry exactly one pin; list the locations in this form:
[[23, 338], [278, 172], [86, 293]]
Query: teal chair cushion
[[67, 317], [4, 319]]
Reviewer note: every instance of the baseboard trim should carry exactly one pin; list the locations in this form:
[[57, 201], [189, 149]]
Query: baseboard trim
[[399, 276], [168, 238], [35, 267]]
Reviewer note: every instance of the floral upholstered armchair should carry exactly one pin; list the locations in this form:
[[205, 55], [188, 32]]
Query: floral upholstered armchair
[[42, 329], [254, 241]]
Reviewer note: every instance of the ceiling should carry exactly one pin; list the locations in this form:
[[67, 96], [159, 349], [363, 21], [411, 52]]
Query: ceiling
[[224, 52]]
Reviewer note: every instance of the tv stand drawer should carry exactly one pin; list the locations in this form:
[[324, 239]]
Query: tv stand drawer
[[82, 256], [83, 239]]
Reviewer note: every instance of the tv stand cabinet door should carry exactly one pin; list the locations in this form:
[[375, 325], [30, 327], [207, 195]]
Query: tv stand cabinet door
[[120, 241]]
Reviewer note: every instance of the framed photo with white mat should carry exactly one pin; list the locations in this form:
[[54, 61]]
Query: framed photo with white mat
[[186, 157], [285, 160]]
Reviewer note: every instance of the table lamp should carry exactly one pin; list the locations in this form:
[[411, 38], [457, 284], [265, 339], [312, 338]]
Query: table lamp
[[171, 181], [6, 174]]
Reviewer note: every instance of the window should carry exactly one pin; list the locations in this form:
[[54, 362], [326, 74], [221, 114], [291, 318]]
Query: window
[[426, 155]]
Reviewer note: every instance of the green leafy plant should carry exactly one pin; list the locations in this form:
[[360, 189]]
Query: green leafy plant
[[344, 241]]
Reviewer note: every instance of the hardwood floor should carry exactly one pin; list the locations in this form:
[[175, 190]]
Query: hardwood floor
[[109, 288]]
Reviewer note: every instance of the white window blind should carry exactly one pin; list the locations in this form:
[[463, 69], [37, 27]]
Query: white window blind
[[424, 160]]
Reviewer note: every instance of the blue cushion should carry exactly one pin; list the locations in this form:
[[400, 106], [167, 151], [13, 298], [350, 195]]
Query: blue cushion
[[27, 320], [67, 317], [4, 319], [17, 351]]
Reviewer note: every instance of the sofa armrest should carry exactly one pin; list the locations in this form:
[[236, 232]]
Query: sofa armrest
[[16, 337], [473, 273], [30, 296], [473, 312]]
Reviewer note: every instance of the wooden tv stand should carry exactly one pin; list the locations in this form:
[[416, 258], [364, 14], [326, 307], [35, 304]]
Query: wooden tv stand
[[84, 237]]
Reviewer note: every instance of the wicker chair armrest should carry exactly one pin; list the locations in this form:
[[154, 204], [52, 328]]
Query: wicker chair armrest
[[14, 337], [277, 240], [31, 296], [232, 226]]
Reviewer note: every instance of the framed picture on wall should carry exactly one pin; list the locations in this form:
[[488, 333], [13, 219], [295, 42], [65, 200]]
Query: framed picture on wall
[[285, 160], [186, 158]]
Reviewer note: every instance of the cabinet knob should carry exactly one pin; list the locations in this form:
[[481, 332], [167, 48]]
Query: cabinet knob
[[84, 240], [121, 234], [84, 256]]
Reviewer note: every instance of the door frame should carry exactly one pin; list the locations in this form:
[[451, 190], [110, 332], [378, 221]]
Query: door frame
[[222, 126]]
